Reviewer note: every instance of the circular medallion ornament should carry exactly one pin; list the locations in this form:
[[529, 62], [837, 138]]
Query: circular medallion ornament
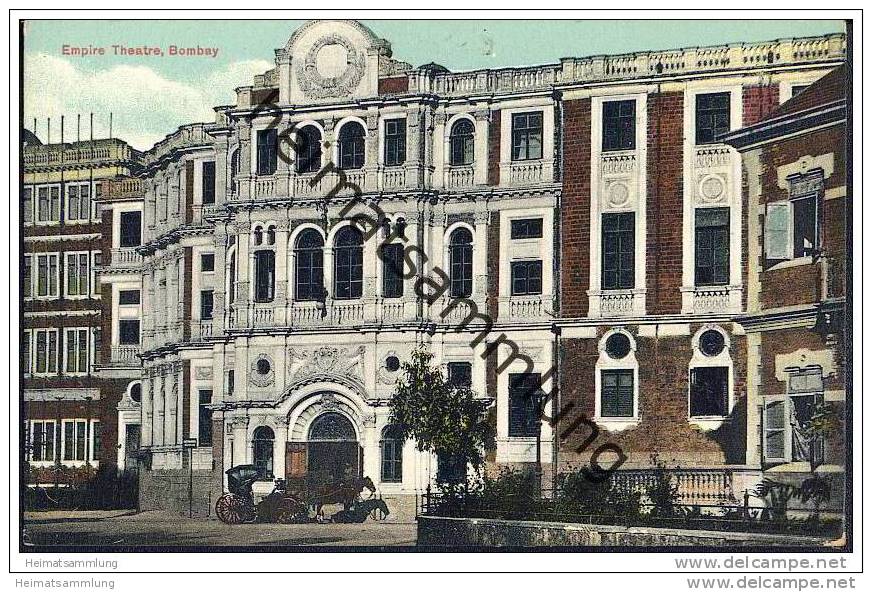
[[332, 68], [619, 195], [712, 188], [262, 373], [711, 343]]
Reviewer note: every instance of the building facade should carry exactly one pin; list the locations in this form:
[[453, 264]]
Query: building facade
[[583, 222], [74, 376]]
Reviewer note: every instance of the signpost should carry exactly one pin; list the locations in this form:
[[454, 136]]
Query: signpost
[[189, 444]]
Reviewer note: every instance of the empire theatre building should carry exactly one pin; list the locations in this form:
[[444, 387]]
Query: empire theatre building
[[274, 331]]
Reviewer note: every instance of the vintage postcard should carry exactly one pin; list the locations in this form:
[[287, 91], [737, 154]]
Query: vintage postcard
[[434, 282]]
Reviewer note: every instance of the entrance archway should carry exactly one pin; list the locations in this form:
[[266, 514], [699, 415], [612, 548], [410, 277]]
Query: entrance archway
[[331, 452]]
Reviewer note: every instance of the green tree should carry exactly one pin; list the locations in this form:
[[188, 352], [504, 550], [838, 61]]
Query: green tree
[[442, 418]]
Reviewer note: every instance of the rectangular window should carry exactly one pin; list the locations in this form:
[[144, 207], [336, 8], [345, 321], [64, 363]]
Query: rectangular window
[[618, 251], [526, 277], [207, 262], [231, 382], [527, 136], [527, 228], [267, 151], [128, 297], [78, 277], [392, 278], [128, 332], [46, 351], [26, 352], [95, 440], [265, 271], [78, 203], [805, 225], [524, 390], [204, 419], [47, 275], [395, 142], [207, 303], [392, 459], [27, 277], [48, 204], [460, 374], [616, 399], [76, 351], [619, 125], [709, 391], [75, 443], [712, 254], [27, 205], [712, 117], [208, 182], [42, 441], [131, 229]]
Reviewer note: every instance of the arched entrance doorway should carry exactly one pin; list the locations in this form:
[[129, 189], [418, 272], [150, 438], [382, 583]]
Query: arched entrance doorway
[[331, 452]]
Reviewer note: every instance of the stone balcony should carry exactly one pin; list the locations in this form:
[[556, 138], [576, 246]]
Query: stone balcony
[[711, 299], [125, 355], [616, 303], [459, 176], [125, 257], [528, 172], [527, 308]]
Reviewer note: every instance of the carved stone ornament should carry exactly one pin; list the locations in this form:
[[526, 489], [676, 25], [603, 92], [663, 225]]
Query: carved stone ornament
[[712, 188], [315, 84], [262, 372], [326, 360]]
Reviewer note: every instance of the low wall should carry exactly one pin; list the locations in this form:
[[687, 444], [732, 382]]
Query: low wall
[[168, 490], [479, 532]]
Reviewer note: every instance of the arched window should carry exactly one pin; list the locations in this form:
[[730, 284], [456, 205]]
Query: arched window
[[462, 140], [460, 252], [348, 264], [264, 276], [332, 427], [271, 235], [234, 169], [258, 236], [309, 275], [391, 455], [308, 146], [351, 146], [263, 451]]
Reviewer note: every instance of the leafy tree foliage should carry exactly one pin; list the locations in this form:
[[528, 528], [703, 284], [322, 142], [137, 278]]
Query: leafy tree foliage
[[440, 417]]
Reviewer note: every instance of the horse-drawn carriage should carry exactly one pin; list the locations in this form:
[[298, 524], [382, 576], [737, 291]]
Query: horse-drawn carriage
[[286, 504]]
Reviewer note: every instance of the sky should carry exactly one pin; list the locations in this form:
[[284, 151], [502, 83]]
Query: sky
[[150, 96]]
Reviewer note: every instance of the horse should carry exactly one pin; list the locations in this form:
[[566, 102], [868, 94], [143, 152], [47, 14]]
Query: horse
[[342, 492]]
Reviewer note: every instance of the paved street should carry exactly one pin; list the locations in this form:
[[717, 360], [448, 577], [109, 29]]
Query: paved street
[[158, 529]]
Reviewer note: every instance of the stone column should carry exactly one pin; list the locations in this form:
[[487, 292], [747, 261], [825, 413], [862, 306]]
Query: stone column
[[282, 288], [440, 152], [245, 166], [158, 408], [239, 426], [372, 164], [479, 255], [482, 130], [146, 406]]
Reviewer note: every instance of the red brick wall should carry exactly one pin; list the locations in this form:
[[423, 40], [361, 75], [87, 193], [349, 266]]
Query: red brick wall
[[493, 266], [663, 406], [395, 84], [493, 148], [187, 295], [802, 284], [575, 209], [664, 202], [186, 398], [757, 102], [188, 196]]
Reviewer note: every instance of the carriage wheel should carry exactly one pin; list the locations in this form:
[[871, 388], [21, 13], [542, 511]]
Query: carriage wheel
[[232, 509]]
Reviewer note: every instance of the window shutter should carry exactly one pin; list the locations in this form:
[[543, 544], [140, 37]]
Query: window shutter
[[777, 232], [774, 432]]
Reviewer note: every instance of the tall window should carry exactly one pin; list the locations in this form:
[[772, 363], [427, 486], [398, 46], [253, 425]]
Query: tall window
[[267, 151], [27, 205], [234, 170], [128, 332], [787, 420], [352, 146], [264, 438], [712, 257], [48, 204], [462, 143], [308, 149], [46, 341], [47, 274], [207, 304], [131, 229], [27, 277], [208, 182], [309, 263], [527, 136], [204, 418], [264, 276], [26, 352], [460, 255], [231, 279], [78, 203], [348, 265], [77, 278], [619, 125], [392, 276], [805, 225], [526, 277], [617, 396], [76, 351], [391, 455], [460, 374], [712, 116], [42, 441], [523, 405], [395, 142], [792, 227], [618, 251], [709, 391], [75, 443]]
